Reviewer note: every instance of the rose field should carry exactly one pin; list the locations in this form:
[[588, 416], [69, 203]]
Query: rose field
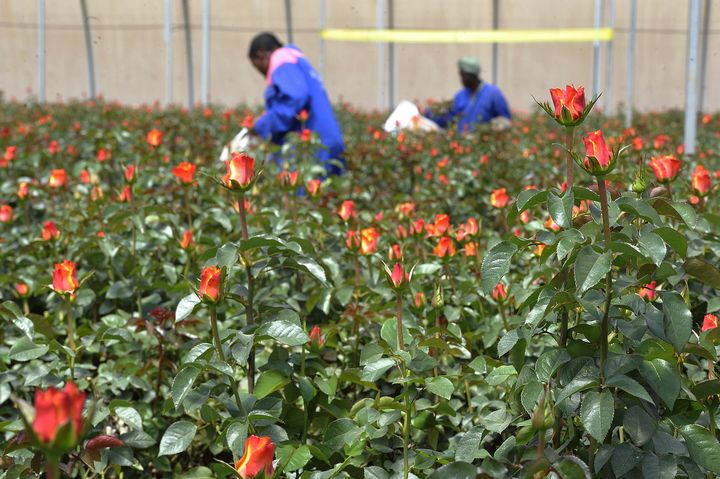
[[534, 302]]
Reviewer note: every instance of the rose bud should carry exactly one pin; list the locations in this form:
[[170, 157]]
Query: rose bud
[[6, 213], [210, 284], [65, 277], [701, 181], [313, 187], [258, 457], [240, 172], [154, 138], [599, 160], [58, 178], [445, 247], [347, 210], [710, 321], [316, 339], [666, 168], [499, 293], [184, 172], [50, 231], [499, 198], [569, 104], [54, 409], [368, 241]]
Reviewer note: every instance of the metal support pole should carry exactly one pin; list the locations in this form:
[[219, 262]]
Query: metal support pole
[[391, 57], [703, 57], [288, 21], [168, 53], [597, 54], [691, 103], [610, 70], [205, 67], [495, 26], [631, 64], [41, 50], [88, 47], [323, 24], [381, 54], [188, 51]]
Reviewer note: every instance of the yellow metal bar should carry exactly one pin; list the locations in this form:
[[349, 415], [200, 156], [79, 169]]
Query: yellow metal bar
[[469, 36]]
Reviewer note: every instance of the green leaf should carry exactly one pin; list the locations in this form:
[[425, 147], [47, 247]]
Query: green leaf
[[376, 369], [663, 378], [571, 467], [500, 374], [703, 272], [597, 412], [311, 266], [496, 264], [468, 446], [703, 446], [441, 386], [639, 425], [706, 389], [293, 458], [676, 240], [226, 255], [507, 342], [25, 350], [560, 207], [183, 383], [130, 416], [177, 438], [630, 386], [119, 290], [185, 306], [138, 439], [10, 311], [585, 378], [286, 332], [530, 198], [549, 362], [456, 470], [590, 268], [677, 320], [269, 382], [653, 246]]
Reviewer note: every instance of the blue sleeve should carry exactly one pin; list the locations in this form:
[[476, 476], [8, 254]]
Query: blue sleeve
[[444, 119], [284, 99], [500, 106]]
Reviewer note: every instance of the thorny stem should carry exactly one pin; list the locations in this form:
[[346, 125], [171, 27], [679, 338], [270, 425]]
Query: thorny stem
[[569, 137], [215, 333], [71, 335], [243, 218], [406, 428], [503, 315], [250, 322], [401, 340], [608, 293]]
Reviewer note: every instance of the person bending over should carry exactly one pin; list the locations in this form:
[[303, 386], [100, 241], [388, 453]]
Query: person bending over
[[293, 85]]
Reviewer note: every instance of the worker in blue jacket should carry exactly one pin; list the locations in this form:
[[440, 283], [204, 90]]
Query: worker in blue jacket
[[477, 102], [293, 85]]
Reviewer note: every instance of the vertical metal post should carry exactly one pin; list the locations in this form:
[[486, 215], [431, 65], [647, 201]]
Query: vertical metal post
[[288, 21], [495, 26], [610, 69], [703, 57], [168, 53], [692, 76], [41, 50], [381, 54], [631, 64], [597, 53], [205, 67], [391, 57], [188, 51], [88, 47], [323, 24]]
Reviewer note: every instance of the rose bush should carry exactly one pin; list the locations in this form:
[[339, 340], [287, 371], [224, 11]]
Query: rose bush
[[508, 304]]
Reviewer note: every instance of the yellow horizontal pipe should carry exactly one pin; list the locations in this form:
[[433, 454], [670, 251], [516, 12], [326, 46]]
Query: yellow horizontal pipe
[[469, 36]]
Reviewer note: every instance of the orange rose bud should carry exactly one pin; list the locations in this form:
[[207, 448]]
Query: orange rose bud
[[551, 225], [125, 195], [569, 104], [102, 154], [65, 277], [499, 293], [55, 408], [303, 116], [210, 284], [314, 187], [368, 241], [648, 291], [353, 240], [470, 248], [184, 172], [395, 252], [85, 176], [539, 249], [154, 138], [472, 228], [442, 223], [22, 191], [710, 321], [287, 179], [445, 247], [419, 299], [499, 198], [130, 175], [598, 159], [6, 213], [259, 454], [240, 171], [666, 168], [58, 178], [701, 181], [305, 135], [22, 290], [316, 337], [187, 240], [50, 231], [347, 210]]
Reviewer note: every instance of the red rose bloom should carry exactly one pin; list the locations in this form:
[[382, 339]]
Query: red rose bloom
[[259, 454], [701, 181], [65, 277], [210, 284], [184, 172], [240, 171], [54, 408], [499, 198], [154, 137], [50, 231], [666, 168], [570, 99], [58, 178], [710, 321]]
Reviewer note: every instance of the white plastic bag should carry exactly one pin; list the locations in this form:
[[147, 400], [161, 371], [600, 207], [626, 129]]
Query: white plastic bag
[[406, 116], [241, 142]]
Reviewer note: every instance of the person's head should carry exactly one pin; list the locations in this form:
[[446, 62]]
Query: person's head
[[261, 48], [469, 72]]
